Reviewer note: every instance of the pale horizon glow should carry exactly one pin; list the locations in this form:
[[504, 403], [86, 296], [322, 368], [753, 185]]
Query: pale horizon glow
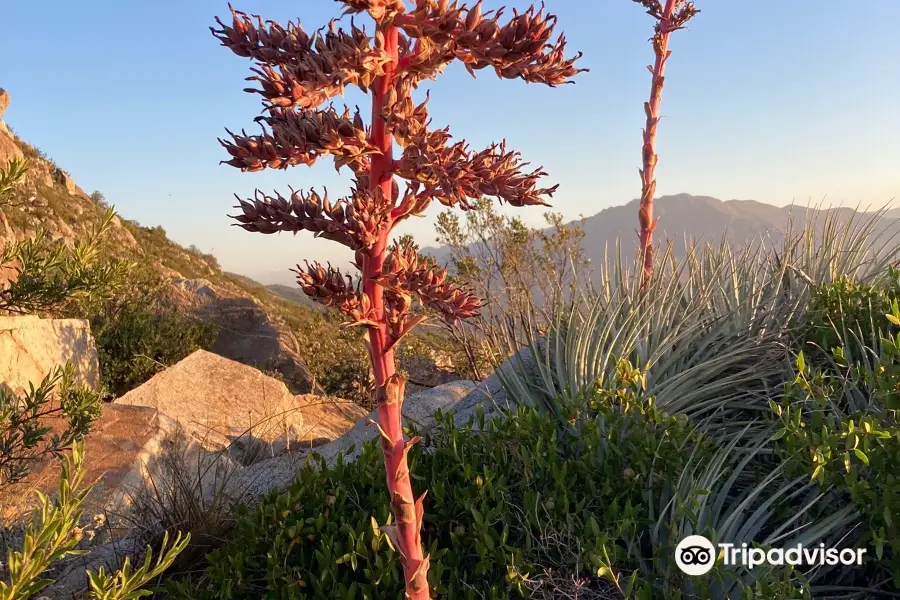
[[781, 105]]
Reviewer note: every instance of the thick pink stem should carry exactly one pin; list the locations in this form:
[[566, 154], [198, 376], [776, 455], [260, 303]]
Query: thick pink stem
[[649, 157], [407, 519]]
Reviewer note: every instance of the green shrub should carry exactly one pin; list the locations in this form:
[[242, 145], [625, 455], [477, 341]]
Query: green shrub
[[137, 338], [24, 435], [841, 429], [506, 500], [49, 274], [335, 356], [850, 315], [99, 199]]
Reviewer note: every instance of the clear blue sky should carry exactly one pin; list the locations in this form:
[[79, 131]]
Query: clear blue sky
[[794, 102]]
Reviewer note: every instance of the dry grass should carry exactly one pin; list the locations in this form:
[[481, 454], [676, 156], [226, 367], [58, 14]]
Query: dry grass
[[552, 585]]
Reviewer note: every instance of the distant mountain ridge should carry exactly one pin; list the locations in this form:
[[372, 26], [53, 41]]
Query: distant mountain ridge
[[685, 218], [682, 217]]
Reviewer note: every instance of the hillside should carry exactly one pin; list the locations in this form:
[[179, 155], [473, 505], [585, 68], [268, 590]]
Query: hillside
[[293, 293], [51, 201], [703, 219], [276, 329], [255, 326]]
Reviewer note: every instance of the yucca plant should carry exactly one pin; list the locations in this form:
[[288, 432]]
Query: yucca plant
[[710, 329], [298, 73], [737, 494], [714, 334]]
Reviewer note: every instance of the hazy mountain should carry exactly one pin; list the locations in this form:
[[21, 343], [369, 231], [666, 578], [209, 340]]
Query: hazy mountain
[[702, 219], [682, 217]]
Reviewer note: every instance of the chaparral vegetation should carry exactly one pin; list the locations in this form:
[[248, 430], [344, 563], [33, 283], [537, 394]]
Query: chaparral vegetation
[[747, 394]]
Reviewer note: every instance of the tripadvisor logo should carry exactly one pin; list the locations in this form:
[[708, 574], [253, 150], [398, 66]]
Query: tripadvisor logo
[[696, 555]]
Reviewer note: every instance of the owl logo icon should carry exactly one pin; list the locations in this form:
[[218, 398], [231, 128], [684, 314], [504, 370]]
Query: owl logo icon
[[695, 555]]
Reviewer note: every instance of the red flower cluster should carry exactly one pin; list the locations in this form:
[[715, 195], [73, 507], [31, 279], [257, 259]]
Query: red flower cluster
[[520, 48], [301, 138], [330, 287], [405, 273], [301, 70], [354, 222]]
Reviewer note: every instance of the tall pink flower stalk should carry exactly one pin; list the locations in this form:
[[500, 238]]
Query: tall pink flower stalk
[[297, 74], [671, 17]]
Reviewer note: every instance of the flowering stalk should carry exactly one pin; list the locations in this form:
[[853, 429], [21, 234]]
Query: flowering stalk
[[671, 17], [298, 72]]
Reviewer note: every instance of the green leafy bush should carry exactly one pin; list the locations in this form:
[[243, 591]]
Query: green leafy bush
[[336, 358], [138, 337], [507, 500], [848, 314], [841, 428], [50, 274], [23, 421]]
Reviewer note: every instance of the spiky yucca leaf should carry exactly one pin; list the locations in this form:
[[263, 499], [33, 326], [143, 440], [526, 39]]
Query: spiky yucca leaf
[[710, 328], [728, 498]]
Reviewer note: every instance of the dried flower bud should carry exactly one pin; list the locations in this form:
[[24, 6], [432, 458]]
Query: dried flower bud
[[406, 273], [300, 137], [453, 175], [379, 10], [355, 222], [329, 287], [298, 69], [521, 48], [681, 12]]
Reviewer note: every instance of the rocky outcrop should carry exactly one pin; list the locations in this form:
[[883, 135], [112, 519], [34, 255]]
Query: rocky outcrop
[[8, 148], [4, 102], [247, 332], [121, 449], [64, 179], [427, 370], [31, 347], [218, 401]]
